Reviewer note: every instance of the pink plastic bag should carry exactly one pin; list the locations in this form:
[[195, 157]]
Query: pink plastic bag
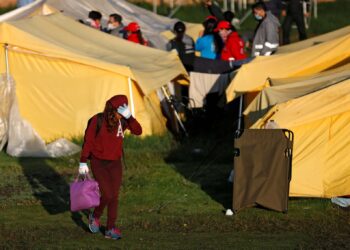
[[84, 194]]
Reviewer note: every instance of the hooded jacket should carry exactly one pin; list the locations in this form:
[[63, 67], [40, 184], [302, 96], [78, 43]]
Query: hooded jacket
[[108, 145], [234, 48], [133, 37], [266, 39]]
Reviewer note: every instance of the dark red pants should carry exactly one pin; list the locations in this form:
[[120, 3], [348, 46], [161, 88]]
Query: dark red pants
[[108, 174]]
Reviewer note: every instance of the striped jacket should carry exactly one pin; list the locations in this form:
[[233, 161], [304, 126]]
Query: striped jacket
[[266, 38]]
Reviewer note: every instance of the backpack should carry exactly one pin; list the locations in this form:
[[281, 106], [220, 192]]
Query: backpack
[[99, 123]]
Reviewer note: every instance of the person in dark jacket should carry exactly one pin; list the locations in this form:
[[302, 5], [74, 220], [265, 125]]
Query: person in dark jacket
[[183, 44], [220, 15], [275, 6], [292, 10], [103, 146]]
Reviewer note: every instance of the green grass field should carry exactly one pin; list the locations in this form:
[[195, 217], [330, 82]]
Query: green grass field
[[172, 198], [173, 195], [331, 16]]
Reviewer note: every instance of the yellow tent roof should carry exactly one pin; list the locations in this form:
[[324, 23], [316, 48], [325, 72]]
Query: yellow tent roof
[[65, 71], [321, 124], [62, 37], [253, 76], [285, 89], [314, 40]]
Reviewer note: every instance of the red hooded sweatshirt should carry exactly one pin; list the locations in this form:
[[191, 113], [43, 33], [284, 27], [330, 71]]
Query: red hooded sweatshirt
[[108, 145], [234, 47], [133, 37]]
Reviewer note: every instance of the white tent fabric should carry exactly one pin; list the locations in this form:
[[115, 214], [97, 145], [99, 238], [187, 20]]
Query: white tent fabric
[[21, 138], [342, 202], [23, 12], [7, 94], [152, 25]]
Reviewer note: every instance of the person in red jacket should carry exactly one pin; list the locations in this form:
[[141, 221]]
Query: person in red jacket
[[233, 45], [134, 34], [103, 146]]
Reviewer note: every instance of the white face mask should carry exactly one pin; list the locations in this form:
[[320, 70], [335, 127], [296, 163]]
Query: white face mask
[[110, 26], [257, 17]]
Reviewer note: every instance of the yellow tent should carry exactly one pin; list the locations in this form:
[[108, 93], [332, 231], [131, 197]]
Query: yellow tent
[[314, 40], [321, 124], [284, 89], [65, 71], [252, 76]]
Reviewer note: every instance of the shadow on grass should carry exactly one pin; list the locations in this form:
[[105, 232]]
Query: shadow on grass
[[50, 188], [206, 156]]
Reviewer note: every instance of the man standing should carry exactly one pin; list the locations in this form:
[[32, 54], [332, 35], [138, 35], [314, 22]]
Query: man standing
[[184, 45], [115, 26], [292, 10], [266, 37]]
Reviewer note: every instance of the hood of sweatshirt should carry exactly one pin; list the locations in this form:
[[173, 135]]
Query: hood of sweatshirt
[[117, 100]]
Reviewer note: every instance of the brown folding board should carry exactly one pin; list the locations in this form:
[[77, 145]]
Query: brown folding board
[[262, 169]]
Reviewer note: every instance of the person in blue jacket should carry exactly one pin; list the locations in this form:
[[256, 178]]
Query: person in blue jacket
[[209, 43]]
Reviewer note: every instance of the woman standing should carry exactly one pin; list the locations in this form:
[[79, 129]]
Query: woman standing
[[103, 146], [209, 44], [134, 34]]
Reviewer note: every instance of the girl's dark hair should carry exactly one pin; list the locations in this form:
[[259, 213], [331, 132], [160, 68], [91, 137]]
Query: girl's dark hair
[[112, 122], [95, 15], [209, 26], [260, 5], [140, 37], [219, 44]]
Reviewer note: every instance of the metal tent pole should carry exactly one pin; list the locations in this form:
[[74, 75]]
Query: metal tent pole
[[7, 63], [131, 97], [240, 113], [173, 107]]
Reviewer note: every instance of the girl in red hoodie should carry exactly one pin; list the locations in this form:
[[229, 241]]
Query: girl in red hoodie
[[103, 143], [134, 34], [233, 45]]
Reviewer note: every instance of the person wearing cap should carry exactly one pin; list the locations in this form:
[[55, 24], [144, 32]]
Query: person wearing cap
[[115, 26], [103, 147], [183, 44], [233, 45], [266, 37], [134, 34], [209, 44]]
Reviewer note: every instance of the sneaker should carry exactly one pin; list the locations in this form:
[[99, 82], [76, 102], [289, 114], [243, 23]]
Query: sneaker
[[113, 233], [94, 224]]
